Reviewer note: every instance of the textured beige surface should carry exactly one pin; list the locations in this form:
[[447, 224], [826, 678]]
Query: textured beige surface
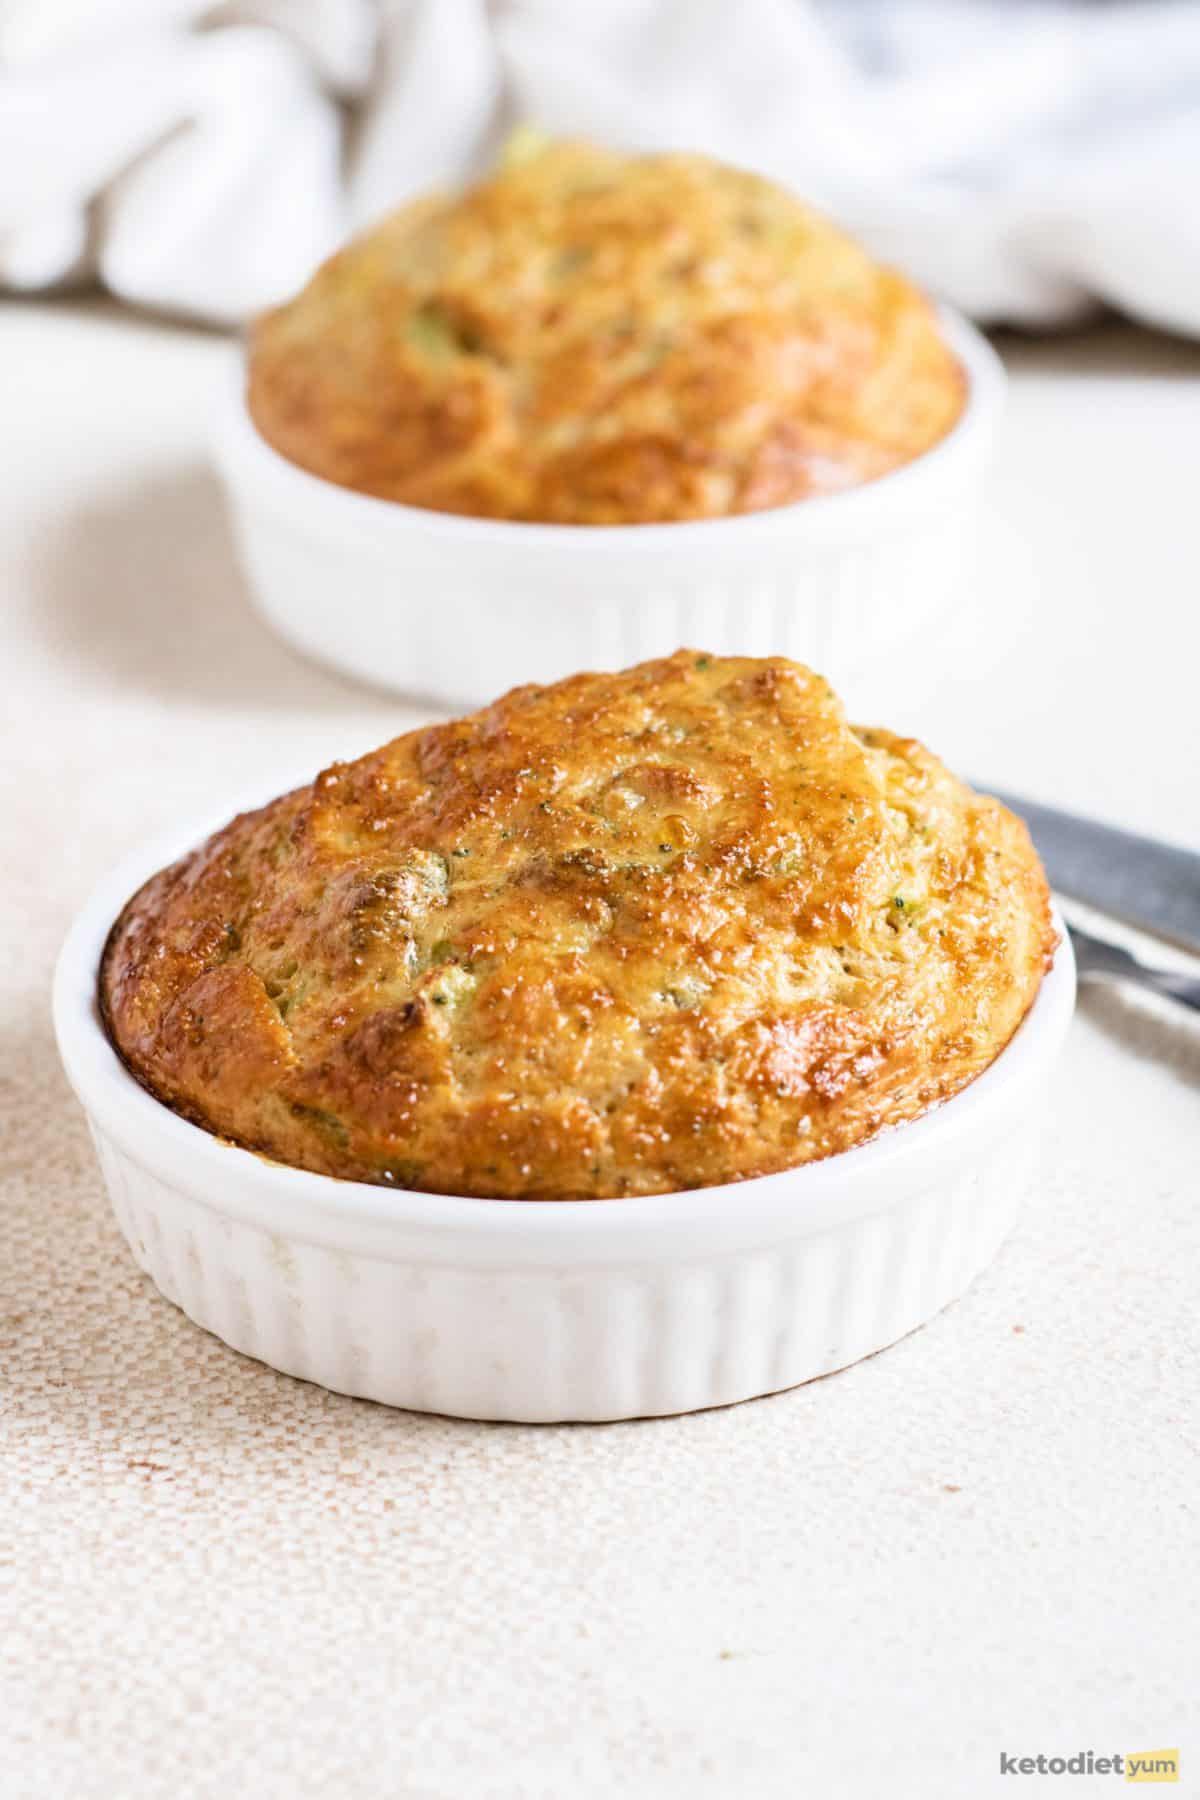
[[218, 1582]]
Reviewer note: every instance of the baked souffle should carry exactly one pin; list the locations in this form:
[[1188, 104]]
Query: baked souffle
[[628, 934], [599, 339]]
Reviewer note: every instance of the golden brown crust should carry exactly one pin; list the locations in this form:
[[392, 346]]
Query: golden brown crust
[[595, 339], [627, 934]]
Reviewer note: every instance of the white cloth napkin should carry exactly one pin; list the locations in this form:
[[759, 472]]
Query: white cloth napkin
[[1024, 160]]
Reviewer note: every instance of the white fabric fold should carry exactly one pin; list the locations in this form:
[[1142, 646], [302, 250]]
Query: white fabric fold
[[1025, 161]]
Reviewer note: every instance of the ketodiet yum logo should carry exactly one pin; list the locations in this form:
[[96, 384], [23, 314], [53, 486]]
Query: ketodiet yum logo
[[1129, 1765]]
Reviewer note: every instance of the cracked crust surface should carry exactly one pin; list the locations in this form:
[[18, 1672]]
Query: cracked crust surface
[[591, 338], [628, 934]]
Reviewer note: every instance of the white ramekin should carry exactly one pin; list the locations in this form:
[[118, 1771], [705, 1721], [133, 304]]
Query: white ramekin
[[604, 1309], [426, 603]]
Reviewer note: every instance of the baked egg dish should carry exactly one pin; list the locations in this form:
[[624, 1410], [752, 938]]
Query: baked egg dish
[[631, 933], [593, 338]]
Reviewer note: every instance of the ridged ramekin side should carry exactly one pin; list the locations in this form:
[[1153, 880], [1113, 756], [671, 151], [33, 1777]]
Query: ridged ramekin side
[[562, 1342], [515, 1310], [460, 609], [461, 628]]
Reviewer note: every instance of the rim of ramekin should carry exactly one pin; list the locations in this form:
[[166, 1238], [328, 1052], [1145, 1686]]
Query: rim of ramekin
[[302, 1205], [248, 461]]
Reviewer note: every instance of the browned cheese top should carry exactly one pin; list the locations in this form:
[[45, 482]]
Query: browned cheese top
[[627, 934], [599, 339]]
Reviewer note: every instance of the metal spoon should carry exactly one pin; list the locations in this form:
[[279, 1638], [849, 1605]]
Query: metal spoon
[[1097, 960]]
